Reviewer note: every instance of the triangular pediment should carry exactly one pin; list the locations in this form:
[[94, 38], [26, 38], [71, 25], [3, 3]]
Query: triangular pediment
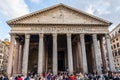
[[59, 14]]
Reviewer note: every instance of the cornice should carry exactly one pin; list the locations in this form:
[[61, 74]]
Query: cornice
[[118, 26], [115, 37], [59, 24]]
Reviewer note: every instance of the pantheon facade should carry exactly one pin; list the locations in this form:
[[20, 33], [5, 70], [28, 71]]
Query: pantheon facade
[[58, 38]]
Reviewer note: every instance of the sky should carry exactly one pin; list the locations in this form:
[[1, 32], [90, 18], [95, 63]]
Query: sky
[[10, 9]]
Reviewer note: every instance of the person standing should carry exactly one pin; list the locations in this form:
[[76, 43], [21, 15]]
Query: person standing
[[72, 77], [19, 78]]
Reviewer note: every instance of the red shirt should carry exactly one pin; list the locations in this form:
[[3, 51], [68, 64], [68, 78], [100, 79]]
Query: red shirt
[[19, 78], [72, 77]]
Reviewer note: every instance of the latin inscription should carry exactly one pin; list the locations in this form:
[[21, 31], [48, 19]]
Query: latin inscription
[[61, 29]]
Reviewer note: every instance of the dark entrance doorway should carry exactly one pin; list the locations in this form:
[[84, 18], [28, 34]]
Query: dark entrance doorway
[[61, 61]]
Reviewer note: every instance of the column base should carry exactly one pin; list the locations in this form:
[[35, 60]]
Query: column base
[[9, 75], [40, 74], [25, 74]]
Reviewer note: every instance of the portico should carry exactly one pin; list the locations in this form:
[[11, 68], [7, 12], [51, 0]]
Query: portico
[[59, 38]]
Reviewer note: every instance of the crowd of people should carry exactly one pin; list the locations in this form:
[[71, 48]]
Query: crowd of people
[[65, 76]]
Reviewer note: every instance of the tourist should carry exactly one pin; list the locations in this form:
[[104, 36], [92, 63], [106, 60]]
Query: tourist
[[38, 77], [5, 78], [31, 77], [1, 77], [78, 77], [90, 76], [72, 77], [86, 76], [61, 76], [106, 76], [23, 77], [115, 76], [16, 78], [27, 78], [58, 77], [11, 78], [44, 74], [19, 78], [35, 78], [48, 76], [110, 75], [65, 77]]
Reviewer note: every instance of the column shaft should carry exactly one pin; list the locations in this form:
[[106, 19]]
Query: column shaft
[[10, 60], [47, 60], [103, 55], [15, 66], [109, 52], [25, 55], [96, 53], [93, 59], [74, 59], [80, 57], [20, 60], [55, 60], [70, 57], [40, 54], [77, 57], [83, 49]]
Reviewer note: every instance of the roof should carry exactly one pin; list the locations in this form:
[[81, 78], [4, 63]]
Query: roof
[[115, 28], [52, 7]]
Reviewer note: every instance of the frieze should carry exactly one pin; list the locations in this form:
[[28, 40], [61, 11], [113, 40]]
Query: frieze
[[60, 29]]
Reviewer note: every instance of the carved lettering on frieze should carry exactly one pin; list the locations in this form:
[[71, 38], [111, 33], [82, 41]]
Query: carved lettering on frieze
[[60, 29], [36, 28]]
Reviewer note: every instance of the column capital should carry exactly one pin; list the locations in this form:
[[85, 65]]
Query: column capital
[[41, 35], [107, 36], [82, 36], [54, 34], [94, 36], [68, 34], [12, 34], [27, 36], [101, 38], [17, 38]]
